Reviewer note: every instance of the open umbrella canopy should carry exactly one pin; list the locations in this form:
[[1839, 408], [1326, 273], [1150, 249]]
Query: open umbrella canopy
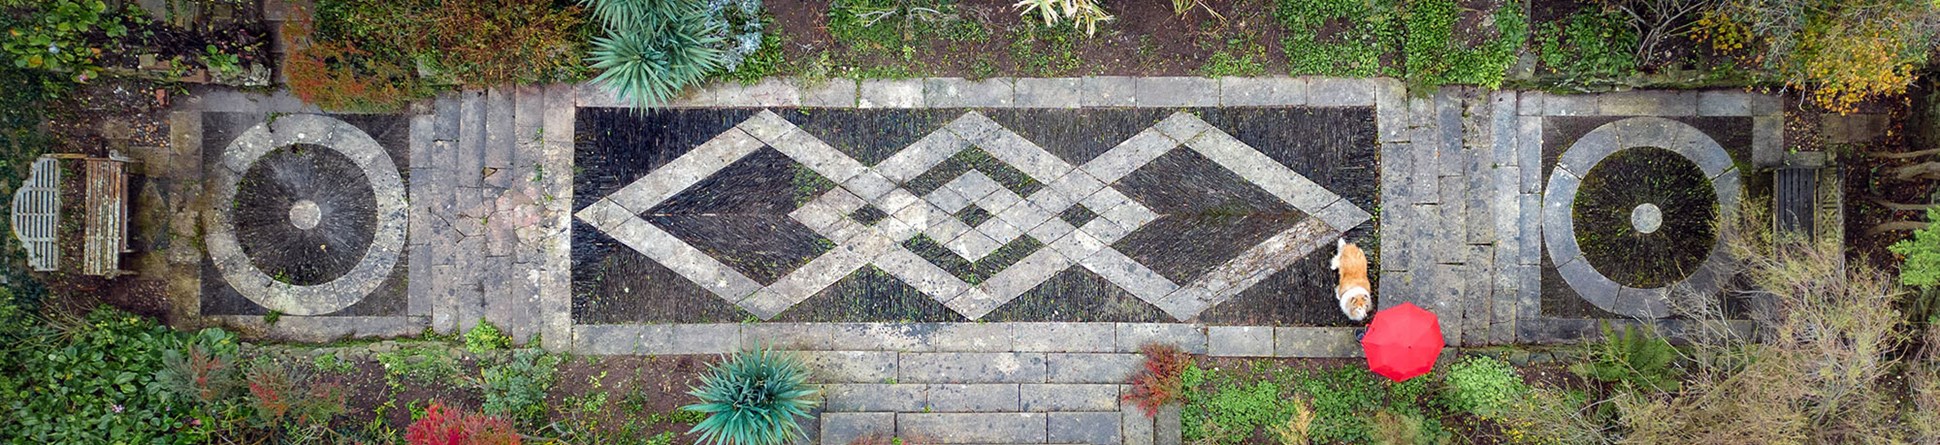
[[1402, 342]]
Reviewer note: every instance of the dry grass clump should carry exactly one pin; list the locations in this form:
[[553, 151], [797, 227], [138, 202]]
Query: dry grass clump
[[1818, 371]]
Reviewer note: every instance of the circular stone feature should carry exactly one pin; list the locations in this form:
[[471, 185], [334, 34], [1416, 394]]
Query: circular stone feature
[[305, 214], [1613, 226], [1583, 223], [357, 242], [1646, 218]]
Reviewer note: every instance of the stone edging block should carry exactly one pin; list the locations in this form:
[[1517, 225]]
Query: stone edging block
[[1061, 346], [1005, 92]]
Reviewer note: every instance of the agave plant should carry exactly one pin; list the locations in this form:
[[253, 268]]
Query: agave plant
[[753, 398], [653, 49], [1084, 13]]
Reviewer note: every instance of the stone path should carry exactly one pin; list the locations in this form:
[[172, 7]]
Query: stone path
[[976, 261]]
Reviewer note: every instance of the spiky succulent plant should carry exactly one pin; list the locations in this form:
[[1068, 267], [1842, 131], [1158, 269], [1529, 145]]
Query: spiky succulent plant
[[753, 398], [653, 49]]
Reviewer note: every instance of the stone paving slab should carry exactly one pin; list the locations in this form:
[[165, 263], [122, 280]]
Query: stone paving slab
[[897, 397], [843, 428], [973, 398], [1084, 427], [964, 428], [953, 367], [1056, 397]]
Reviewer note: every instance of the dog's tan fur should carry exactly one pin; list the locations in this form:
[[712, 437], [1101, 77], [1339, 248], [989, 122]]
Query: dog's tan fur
[[1354, 292]]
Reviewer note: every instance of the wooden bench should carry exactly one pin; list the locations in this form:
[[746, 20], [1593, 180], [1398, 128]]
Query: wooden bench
[[104, 221]]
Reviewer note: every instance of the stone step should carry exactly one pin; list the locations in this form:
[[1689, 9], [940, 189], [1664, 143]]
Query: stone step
[[499, 131], [468, 162], [970, 367], [1088, 427]]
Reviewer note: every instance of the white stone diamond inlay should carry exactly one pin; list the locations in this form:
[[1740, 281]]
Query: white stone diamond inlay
[[1013, 216]]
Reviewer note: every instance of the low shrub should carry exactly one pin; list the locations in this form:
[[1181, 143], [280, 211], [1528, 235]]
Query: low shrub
[[484, 337], [1160, 382], [236, 400], [339, 76], [1920, 255], [443, 425], [284, 397], [62, 36], [1822, 371], [1483, 386], [753, 398], [1842, 51], [1591, 46], [474, 43], [1344, 399], [1547, 416], [88, 380], [516, 389]]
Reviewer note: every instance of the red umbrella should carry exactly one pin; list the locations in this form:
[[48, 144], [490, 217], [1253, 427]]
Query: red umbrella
[[1402, 342]]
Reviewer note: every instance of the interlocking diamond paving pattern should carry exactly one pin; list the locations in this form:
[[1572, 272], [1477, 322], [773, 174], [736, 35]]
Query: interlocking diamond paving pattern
[[1068, 215]]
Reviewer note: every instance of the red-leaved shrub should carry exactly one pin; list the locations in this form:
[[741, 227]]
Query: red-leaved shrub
[[1159, 383], [446, 426]]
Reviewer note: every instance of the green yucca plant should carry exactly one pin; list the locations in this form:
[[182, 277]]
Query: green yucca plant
[[753, 398], [653, 49]]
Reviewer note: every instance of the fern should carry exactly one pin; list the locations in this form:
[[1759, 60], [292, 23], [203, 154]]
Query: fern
[[1635, 359]]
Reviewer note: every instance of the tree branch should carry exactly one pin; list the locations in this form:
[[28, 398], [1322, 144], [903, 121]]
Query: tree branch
[[1896, 226], [1904, 155], [1899, 206]]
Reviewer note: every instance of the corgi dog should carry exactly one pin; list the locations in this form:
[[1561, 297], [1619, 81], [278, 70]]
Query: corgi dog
[[1355, 298]]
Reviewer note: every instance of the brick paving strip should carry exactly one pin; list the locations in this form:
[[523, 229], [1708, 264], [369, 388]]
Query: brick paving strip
[[491, 187]]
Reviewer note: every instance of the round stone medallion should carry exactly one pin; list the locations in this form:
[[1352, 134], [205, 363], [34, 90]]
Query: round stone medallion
[[1646, 218], [1645, 188], [1595, 220], [305, 214], [310, 215]]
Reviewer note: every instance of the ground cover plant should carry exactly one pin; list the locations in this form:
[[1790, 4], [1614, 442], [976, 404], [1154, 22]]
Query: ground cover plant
[[1363, 45], [1588, 46], [374, 55], [1436, 54], [1242, 402]]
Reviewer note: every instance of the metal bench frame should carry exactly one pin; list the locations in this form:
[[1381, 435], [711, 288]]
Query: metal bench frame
[[37, 213]]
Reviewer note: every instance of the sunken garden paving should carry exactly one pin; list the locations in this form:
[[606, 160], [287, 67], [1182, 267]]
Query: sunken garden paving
[[973, 261], [1201, 210], [953, 215]]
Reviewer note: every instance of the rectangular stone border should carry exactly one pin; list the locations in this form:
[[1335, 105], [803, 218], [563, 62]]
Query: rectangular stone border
[[1766, 111], [325, 329], [1008, 92], [1529, 326], [1002, 337], [186, 128], [1000, 92]]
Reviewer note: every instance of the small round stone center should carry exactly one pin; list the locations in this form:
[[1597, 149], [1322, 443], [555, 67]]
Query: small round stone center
[[305, 214], [1646, 218]]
